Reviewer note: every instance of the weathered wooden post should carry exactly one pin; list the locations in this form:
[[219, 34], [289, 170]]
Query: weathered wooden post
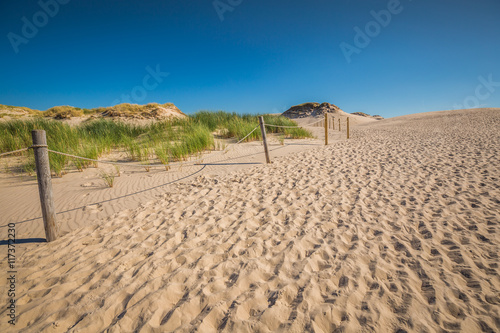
[[44, 183], [348, 127], [326, 129], [264, 138]]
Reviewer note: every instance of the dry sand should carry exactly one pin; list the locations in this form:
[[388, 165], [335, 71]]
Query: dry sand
[[394, 230]]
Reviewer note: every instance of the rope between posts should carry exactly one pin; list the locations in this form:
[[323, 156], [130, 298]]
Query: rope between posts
[[282, 126], [246, 136], [297, 125], [106, 162], [309, 125], [14, 151], [22, 149], [225, 151]]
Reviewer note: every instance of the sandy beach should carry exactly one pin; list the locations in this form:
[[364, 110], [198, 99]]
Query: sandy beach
[[394, 230]]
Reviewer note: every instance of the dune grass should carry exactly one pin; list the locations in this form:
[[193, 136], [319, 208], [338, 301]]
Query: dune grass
[[161, 142], [64, 112], [232, 125], [108, 178], [22, 109]]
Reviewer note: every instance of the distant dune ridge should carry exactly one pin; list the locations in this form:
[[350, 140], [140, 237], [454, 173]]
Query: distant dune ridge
[[152, 110], [124, 110], [394, 230], [367, 115], [306, 110], [310, 110], [159, 111]]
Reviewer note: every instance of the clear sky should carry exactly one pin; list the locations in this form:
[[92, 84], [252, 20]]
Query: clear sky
[[384, 57]]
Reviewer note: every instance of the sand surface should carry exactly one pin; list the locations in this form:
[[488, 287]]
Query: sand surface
[[394, 230]]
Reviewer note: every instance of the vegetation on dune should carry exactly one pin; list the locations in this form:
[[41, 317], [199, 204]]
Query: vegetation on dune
[[314, 104], [20, 109], [129, 110], [163, 142], [378, 117], [16, 134], [63, 112], [126, 110]]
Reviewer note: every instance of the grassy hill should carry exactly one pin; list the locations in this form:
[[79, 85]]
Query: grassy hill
[[125, 110]]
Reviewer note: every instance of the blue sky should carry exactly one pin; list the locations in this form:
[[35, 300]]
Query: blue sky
[[252, 56]]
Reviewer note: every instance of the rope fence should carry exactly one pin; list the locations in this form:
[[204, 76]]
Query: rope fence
[[42, 151], [133, 164], [105, 162]]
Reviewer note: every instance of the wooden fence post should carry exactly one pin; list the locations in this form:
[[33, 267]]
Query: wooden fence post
[[326, 129], [44, 183], [348, 127], [264, 138]]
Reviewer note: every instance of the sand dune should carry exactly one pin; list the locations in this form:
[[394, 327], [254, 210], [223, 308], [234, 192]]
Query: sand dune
[[395, 230]]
